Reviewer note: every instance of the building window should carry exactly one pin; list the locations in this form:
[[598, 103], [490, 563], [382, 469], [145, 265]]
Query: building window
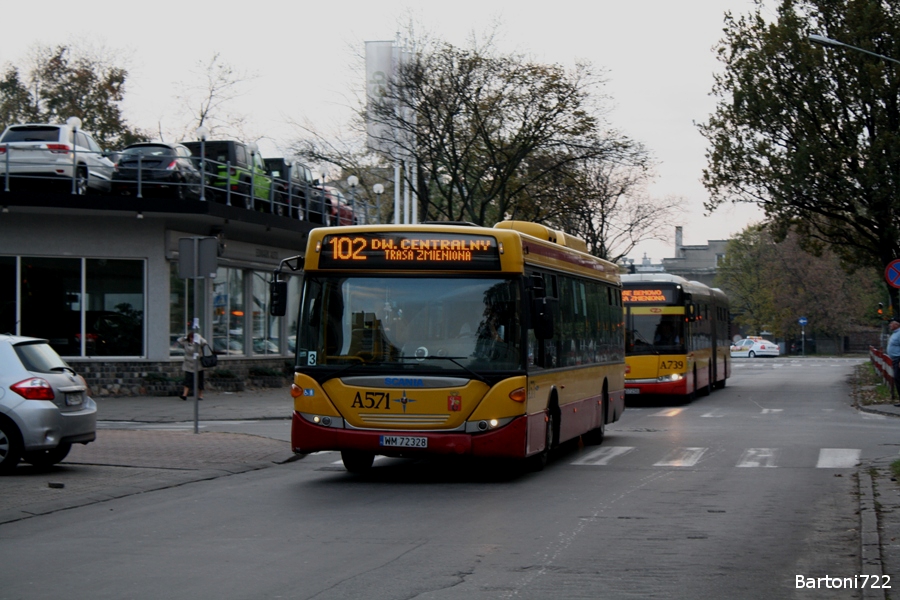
[[84, 307], [266, 328], [114, 306], [8, 294], [228, 311], [181, 308]]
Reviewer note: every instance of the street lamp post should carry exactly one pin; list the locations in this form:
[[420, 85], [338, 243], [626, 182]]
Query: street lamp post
[[74, 124], [379, 190], [353, 181], [832, 43], [202, 134], [254, 150]]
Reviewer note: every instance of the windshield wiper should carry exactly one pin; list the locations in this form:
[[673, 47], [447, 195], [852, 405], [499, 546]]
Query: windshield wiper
[[454, 360]]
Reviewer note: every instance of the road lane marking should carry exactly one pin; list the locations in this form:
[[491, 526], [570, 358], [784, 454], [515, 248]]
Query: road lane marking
[[768, 411], [838, 458], [602, 456], [668, 412], [714, 413], [681, 457], [758, 457]]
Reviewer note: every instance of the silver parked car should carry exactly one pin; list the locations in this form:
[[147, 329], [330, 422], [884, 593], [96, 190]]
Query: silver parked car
[[44, 404], [44, 152]]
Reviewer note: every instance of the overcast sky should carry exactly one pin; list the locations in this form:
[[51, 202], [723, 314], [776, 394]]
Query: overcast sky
[[657, 56]]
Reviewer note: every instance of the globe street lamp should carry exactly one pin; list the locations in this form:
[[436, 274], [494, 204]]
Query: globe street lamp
[[379, 190], [832, 43], [202, 133]]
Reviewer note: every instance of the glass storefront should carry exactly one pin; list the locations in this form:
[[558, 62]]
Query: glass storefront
[[266, 328], [84, 306], [228, 312]]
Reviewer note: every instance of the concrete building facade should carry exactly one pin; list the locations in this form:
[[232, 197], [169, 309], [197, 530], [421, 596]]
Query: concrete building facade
[[97, 275]]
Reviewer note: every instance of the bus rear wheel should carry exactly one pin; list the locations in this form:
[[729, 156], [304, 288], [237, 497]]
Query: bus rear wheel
[[594, 437], [357, 461], [538, 461]]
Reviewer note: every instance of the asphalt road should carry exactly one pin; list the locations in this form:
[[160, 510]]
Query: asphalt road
[[733, 495]]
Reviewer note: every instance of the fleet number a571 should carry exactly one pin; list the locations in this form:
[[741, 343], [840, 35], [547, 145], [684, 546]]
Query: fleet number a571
[[372, 400]]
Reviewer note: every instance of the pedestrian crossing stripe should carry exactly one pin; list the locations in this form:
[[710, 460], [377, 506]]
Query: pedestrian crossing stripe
[[602, 456], [837, 458], [829, 458], [758, 457]]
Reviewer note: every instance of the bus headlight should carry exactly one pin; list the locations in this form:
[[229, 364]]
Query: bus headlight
[[672, 377]]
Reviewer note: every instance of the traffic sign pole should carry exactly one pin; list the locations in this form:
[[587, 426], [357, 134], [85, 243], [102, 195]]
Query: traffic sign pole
[[803, 322]]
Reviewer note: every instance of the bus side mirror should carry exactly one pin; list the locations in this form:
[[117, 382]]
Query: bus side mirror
[[542, 318], [278, 298]]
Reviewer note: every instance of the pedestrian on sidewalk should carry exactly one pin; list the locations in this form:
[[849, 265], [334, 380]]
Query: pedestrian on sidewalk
[[193, 349], [893, 352]]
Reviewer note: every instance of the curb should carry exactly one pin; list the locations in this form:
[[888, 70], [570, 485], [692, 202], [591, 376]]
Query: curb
[[870, 539]]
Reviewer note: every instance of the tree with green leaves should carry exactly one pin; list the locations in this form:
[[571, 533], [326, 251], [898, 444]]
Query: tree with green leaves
[[772, 284], [744, 274], [812, 135], [66, 82]]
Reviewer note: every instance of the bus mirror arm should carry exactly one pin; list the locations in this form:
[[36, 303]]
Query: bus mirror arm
[[278, 286]]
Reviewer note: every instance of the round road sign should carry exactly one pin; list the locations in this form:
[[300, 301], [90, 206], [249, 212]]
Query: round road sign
[[892, 273], [802, 321]]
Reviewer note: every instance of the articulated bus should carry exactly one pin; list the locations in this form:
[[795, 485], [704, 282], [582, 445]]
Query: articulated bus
[[452, 339], [676, 335]]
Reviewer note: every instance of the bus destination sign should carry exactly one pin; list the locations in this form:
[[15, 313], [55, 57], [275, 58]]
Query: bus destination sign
[[633, 296], [409, 250]]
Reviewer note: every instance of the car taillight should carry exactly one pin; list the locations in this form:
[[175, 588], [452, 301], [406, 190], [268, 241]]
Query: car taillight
[[2, 149], [171, 165], [232, 171], [33, 389], [59, 148]]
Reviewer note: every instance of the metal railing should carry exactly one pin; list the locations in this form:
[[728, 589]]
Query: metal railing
[[224, 183]]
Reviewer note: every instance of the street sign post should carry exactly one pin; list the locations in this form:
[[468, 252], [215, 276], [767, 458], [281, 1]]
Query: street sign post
[[803, 322], [198, 259]]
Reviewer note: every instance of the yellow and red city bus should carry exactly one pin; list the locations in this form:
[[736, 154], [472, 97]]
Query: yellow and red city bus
[[676, 335], [452, 339]]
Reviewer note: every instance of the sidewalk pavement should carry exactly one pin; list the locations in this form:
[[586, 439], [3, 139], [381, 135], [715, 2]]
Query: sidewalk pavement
[[262, 403], [129, 460]]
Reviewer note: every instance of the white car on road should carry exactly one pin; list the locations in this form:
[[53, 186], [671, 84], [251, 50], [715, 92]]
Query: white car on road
[[752, 347]]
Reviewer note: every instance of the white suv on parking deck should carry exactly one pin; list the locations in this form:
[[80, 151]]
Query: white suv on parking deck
[[44, 404], [43, 152]]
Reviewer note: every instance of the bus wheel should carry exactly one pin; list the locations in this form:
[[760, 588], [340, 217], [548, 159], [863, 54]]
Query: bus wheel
[[707, 389], [357, 461], [594, 437], [538, 461]]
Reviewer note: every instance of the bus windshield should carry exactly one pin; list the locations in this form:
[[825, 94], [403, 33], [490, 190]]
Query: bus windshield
[[427, 323], [654, 334]]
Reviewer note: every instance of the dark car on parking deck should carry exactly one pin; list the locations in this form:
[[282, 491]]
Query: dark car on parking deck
[[235, 170], [296, 181], [157, 168]]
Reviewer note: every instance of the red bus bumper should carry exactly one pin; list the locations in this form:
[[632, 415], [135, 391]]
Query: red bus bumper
[[506, 442], [672, 388]]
